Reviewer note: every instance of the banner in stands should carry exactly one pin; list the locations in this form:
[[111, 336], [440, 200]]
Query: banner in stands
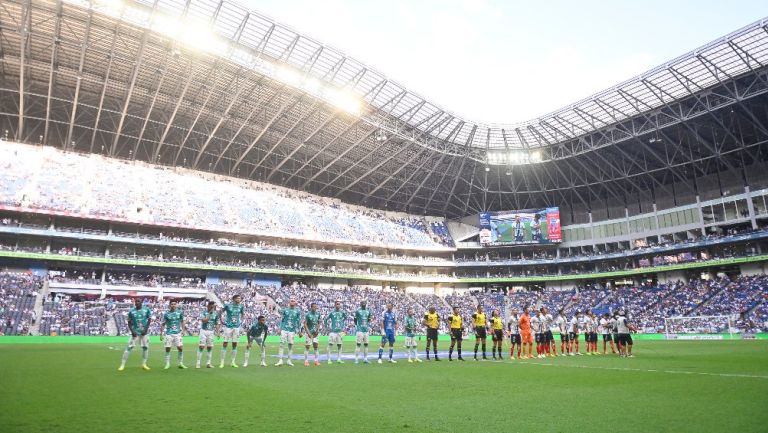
[[529, 226]]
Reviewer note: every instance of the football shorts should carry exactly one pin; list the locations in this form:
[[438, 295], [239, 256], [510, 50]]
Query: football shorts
[[527, 337], [287, 337], [334, 338], [173, 340], [231, 334], [206, 338], [362, 337], [388, 337], [139, 340]]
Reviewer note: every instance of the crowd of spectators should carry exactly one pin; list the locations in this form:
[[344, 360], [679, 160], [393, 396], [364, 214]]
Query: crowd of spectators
[[75, 315], [18, 292], [105, 188]]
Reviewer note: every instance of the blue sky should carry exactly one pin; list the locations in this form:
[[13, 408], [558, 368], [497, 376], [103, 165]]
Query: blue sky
[[510, 61]]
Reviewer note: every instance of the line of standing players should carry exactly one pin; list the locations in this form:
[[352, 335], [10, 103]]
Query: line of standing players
[[520, 329], [525, 329]]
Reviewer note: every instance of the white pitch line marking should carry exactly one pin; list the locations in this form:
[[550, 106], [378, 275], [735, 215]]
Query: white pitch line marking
[[750, 376]]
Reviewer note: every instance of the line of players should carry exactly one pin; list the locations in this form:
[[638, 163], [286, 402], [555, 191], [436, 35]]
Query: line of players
[[228, 324]]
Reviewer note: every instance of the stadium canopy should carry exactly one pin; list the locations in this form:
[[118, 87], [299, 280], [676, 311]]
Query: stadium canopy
[[213, 86]]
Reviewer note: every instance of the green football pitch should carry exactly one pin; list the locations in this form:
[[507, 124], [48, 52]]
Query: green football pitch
[[696, 386]]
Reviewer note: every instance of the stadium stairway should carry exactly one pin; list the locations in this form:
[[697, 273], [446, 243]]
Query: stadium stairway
[[213, 297], [752, 309], [111, 325], [602, 301], [38, 309], [706, 301]]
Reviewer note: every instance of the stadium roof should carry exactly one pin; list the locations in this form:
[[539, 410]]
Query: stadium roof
[[213, 86]]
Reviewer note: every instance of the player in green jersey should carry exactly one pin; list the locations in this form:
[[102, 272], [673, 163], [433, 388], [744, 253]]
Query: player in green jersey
[[362, 331], [171, 333], [311, 333], [257, 333], [290, 324], [210, 326], [410, 336], [139, 319], [232, 319], [334, 323]]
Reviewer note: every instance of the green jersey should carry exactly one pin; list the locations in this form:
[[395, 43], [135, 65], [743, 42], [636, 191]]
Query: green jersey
[[410, 326], [291, 321], [313, 321], [213, 318], [172, 321], [257, 330], [138, 320], [234, 315], [337, 319], [362, 319]]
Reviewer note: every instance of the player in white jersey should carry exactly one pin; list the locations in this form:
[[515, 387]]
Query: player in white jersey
[[513, 328], [625, 338], [574, 331], [549, 348], [606, 328], [537, 324], [589, 326], [565, 339]]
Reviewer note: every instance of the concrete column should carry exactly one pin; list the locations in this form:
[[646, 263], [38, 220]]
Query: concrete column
[[750, 207]]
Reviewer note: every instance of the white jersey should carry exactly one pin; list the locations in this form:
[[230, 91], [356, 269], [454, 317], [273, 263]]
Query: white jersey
[[514, 325], [535, 324], [548, 322], [612, 325], [604, 326], [562, 324], [574, 325], [589, 325], [622, 325]]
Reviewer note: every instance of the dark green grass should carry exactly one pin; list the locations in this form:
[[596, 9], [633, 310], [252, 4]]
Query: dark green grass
[[76, 388]]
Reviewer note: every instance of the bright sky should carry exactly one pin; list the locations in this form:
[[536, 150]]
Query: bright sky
[[510, 61]]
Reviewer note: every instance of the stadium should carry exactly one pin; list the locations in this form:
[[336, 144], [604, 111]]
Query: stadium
[[173, 170]]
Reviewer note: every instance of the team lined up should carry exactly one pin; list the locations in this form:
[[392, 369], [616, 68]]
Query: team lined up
[[520, 329]]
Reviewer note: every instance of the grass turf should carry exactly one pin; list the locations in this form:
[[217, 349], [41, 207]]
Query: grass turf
[[669, 386]]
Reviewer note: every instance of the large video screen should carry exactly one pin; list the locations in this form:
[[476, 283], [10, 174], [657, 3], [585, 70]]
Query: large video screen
[[520, 227]]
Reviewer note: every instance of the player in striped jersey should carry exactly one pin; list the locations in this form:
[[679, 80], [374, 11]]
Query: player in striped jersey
[[573, 332], [589, 326], [513, 328], [606, 328], [551, 347], [565, 338], [538, 334]]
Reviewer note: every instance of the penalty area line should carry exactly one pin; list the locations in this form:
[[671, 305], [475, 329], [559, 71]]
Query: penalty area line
[[594, 367]]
